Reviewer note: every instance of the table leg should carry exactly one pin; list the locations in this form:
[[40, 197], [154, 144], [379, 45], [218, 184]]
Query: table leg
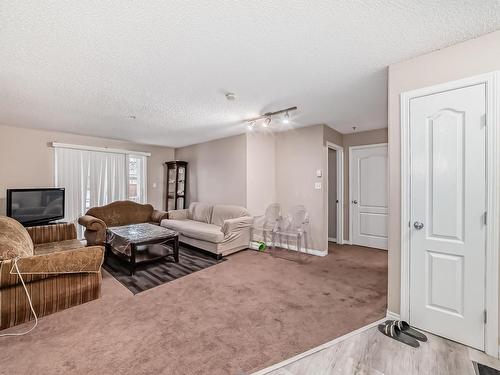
[[176, 249], [132, 259]]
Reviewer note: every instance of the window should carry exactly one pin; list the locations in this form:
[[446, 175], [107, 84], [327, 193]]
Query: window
[[133, 189], [137, 185], [136, 181]]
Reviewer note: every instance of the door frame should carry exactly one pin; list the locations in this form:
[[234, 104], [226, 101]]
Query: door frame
[[340, 191], [492, 81], [361, 147]]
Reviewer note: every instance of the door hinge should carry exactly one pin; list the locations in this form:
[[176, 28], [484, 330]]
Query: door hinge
[[485, 218], [485, 317], [483, 120]]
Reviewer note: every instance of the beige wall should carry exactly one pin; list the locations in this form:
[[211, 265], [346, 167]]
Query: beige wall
[[299, 153], [473, 57], [28, 160], [216, 171], [261, 172], [332, 136]]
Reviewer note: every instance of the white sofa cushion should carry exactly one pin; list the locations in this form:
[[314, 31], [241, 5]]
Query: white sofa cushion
[[200, 212], [195, 229], [223, 212]]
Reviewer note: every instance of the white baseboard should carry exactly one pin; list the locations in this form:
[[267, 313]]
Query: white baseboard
[[319, 253], [291, 247], [318, 348], [331, 239], [392, 315], [347, 242]]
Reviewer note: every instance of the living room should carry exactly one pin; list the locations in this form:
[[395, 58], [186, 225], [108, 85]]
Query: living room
[[233, 197]]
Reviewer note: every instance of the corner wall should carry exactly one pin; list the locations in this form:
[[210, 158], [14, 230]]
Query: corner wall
[[256, 169], [216, 171]]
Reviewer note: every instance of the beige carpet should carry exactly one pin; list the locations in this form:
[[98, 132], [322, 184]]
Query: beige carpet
[[236, 317]]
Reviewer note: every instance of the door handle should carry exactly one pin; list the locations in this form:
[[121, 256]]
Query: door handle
[[355, 202], [418, 225]]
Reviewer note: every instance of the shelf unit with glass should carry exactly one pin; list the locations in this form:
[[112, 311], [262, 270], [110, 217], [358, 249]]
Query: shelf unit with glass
[[176, 172]]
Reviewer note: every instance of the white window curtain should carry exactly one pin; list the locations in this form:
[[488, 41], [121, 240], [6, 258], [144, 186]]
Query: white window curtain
[[71, 173], [107, 177], [90, 179]]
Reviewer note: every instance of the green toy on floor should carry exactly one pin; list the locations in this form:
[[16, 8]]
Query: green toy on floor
[[258, 245]]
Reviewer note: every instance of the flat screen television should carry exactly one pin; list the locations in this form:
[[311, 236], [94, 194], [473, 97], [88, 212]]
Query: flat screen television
[[35, 206]]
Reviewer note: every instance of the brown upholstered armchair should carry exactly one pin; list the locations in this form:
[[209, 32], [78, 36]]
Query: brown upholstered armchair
[[59, 271], [118, 213]]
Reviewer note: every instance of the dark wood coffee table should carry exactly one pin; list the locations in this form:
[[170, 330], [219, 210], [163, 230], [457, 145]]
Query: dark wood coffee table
[[142, 243]]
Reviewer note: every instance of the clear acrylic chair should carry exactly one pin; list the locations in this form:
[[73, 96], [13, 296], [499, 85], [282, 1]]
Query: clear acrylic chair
[[295, 227], [268, 224]]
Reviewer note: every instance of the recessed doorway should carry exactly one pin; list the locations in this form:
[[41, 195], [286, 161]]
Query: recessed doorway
[[335, 186]]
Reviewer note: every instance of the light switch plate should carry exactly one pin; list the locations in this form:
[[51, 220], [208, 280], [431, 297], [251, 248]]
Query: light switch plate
[[319, 173], [317, 185]]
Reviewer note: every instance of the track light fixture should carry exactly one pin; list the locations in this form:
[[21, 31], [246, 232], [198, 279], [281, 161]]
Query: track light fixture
[[286, 118], [266, 119]]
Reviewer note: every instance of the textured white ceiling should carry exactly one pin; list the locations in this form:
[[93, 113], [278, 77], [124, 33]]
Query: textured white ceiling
[[86, 66]]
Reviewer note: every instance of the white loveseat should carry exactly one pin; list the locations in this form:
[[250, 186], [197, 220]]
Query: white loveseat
[[219, 229]]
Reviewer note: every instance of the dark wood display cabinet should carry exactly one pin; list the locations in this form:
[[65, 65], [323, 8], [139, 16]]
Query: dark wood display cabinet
[[176, 172]]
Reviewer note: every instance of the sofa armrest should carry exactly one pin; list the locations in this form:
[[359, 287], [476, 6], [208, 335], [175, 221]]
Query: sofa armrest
[[178, 214], [52, 233], [82, 260], [236, 225], [92, 223], [157, 216], [37, 267]]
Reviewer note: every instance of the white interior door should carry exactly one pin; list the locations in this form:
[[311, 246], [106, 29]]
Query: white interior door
[[448, 205], [368, 171]]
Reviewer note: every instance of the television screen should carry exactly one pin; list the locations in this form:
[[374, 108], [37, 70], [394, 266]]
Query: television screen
[[35, 206]]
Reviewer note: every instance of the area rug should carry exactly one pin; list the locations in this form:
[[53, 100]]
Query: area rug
[[151, 275], [485, 370], [236, 317]]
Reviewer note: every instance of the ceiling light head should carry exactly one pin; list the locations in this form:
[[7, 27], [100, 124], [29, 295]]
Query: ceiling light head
[[230, 96], [286, 118], [265, 120], [251, 125]]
